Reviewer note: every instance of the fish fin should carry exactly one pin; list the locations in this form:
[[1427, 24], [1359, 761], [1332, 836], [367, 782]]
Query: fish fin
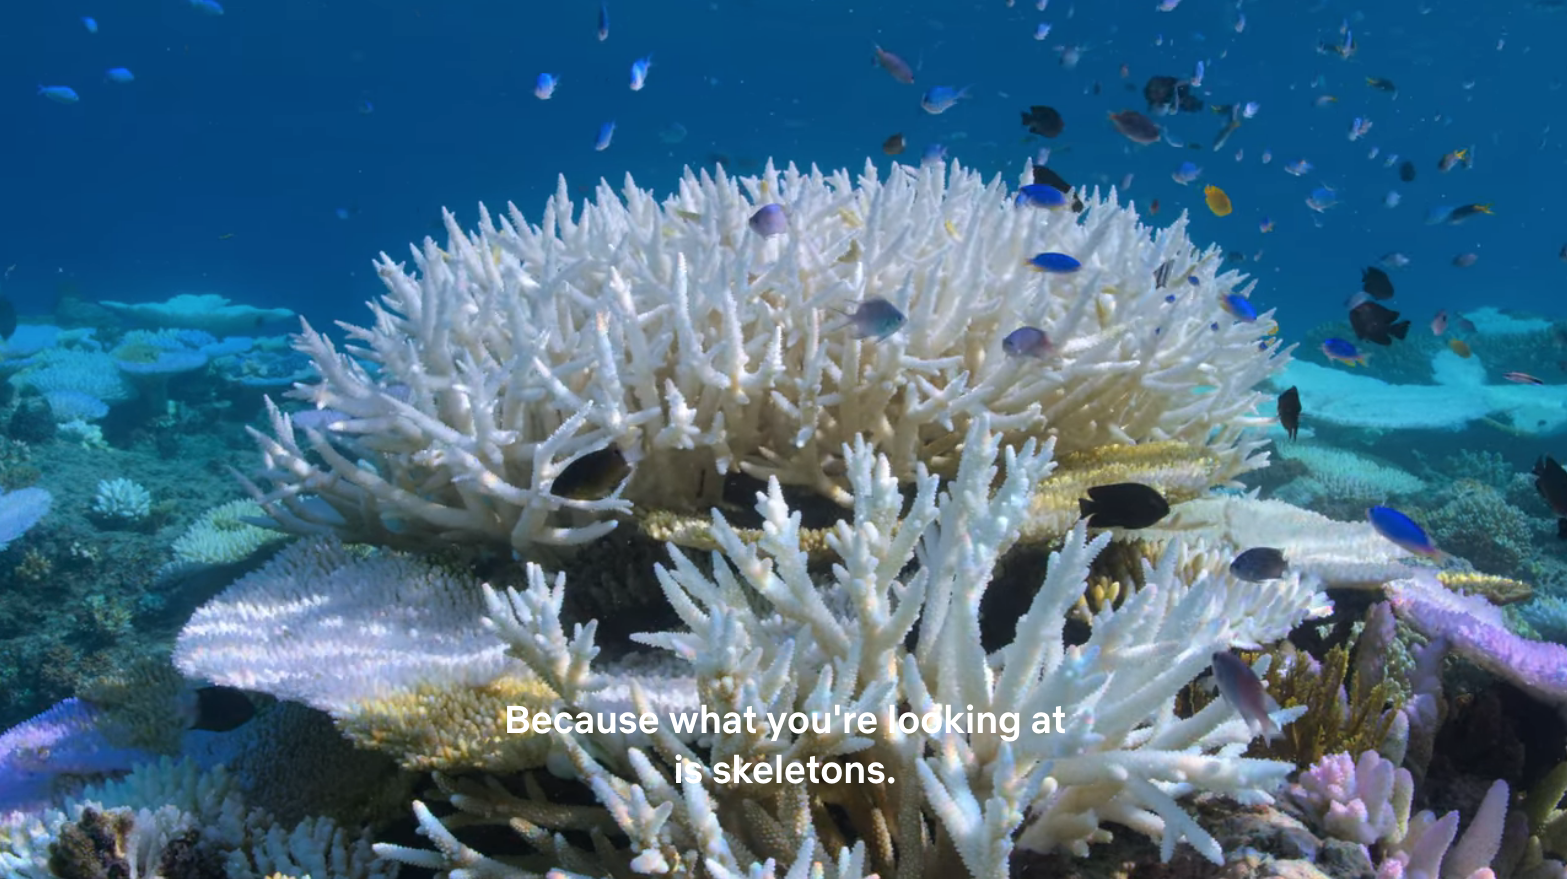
[[1399, 330], [1085, 508]]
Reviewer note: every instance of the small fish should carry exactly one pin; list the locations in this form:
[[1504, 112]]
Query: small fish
[[1522, 378], [1406, 171], [769, 220], [119, 74], [1376, 282], [1401, 531], [1298, 168], [875, 319], [1054, 263], [1217, 201], [1239, 686], [939, 99], [60, 94], [1464, 212], [1167, 5], [1136, 127], [1043, 121], [1186, 173], [1343, 352], [603, 20], [544, 86], [1259, 564], [1040, 195], [7, 319], [1239, 307], [1325, 100], [1439, 323], [1392, 199], [207, 7], [933, 152], [639, 69], [364, 107], [90, 23], [1550, 480], [1562, 254], [1359, 127], [1042, 31], [1465, 260], [1161, 275], [1123, 505], [1027, 342], [1456, 157], [1322, 199], [897, 67], [1380, 84], [894, 145], [1267, 156], [1265, 225], [593, 476], [1289, 411], [1377, 324], [1394, 260], [1460, 347], [1197, 75], [606, 134]]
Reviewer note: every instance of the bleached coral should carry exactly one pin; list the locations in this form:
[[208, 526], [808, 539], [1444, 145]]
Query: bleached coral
[[761, 635], [122, 501], [699, 348], [221, 536], [167, 803], [1344, 481]]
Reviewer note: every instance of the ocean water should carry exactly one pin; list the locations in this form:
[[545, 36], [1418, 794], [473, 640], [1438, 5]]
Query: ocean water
[[224, 165]]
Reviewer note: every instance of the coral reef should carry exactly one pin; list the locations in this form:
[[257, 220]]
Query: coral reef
[[698, 348]]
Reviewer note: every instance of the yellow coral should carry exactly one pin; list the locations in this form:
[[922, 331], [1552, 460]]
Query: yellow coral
[[1498, 589], [458, 728]]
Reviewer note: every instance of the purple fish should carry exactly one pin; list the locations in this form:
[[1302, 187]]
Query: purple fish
[[1239, 686], [900, 69]]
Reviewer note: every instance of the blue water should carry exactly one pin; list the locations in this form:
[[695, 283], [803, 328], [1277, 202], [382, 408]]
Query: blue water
[[225, 165]]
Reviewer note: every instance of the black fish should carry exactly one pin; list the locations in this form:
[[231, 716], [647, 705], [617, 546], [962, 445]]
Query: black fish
[[220, 709], [7, 319], [1166, 94], [592, 476], [1258, 564], [1376, 283], [1377, 323], [1043, 176], [1289, 411], [1123, 505], [1043, 121], [1406, 171], [1550, 480]]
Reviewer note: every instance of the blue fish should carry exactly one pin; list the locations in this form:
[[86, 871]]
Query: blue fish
[[606, 133], [941, 98], [639, 69], [90, 24], [1027, 342], [933, 153], [1040, 195], [769, 220], [119, 74], [1403, 532], [208, 7], [1055, 263], [544, 86], [1239, 307], [63, 94], [603, 20], [875, 319]]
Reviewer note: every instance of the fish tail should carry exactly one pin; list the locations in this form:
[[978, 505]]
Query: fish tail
[[1399, 330], [1085, 507]]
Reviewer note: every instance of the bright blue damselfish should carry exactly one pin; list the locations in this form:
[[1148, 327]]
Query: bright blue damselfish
[[1039, 195], [1402, 531], [1055, 263]]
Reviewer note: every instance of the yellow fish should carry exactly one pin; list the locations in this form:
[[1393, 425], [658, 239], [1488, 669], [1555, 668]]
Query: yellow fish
[[1217, 201]]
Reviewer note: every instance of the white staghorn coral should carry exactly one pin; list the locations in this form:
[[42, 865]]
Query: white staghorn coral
[[698, 348], [761, 634]]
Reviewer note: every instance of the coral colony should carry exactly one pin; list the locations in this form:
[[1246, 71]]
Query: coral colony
[[812, 456]]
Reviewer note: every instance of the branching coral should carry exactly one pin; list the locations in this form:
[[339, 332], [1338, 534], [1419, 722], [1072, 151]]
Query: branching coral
[[698, 348], [762, 636]]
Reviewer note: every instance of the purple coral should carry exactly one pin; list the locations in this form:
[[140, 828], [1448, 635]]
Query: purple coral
[[68, 739]]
